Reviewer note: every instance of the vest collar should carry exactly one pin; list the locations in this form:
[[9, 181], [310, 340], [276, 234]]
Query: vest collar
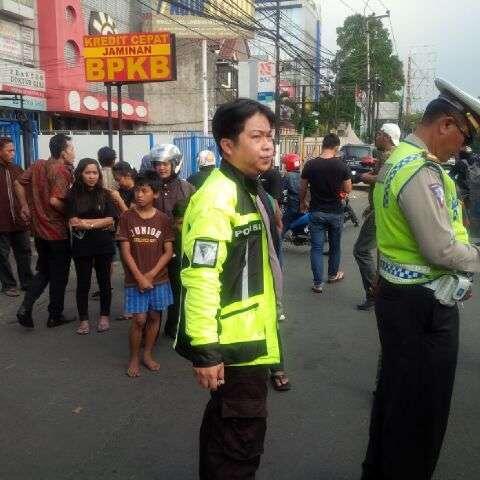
[[239, 177], [412, 139]]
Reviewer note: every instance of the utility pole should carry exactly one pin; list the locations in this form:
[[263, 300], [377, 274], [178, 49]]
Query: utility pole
[[408, 102], [205, 85], [335, 126], [302, 138], [370, 105], [277, 84], [276, 6], [368, 80], [318, 56]]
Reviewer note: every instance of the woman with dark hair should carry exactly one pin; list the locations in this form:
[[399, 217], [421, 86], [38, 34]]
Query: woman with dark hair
[[91, 212]]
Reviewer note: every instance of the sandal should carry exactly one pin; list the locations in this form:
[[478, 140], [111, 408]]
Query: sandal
[[84, 328], [338, 277], [103, 326], [280, 382]]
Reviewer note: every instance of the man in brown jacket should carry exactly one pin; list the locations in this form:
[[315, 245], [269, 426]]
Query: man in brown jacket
[[14, 234]]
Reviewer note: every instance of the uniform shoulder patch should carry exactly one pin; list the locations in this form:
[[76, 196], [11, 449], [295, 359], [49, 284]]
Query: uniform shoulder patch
[[205, 253], [438, 193]]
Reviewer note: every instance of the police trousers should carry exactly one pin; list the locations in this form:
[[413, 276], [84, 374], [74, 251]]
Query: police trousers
[[234, 425], [419, 341]]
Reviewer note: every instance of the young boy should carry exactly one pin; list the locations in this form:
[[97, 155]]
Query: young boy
[[146, 246], [124, 175]]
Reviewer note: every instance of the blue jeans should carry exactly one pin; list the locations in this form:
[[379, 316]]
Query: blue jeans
[[320, 224], [288, 218]]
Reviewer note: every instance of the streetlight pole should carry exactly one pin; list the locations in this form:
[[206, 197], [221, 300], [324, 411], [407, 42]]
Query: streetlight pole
[[277, 84], [369, 80], [205, 85]]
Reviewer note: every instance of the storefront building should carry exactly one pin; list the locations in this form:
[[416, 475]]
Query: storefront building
[[22, 82], [71, 102]]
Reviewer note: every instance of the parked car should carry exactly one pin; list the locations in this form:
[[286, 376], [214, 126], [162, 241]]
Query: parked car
[[359, 158]]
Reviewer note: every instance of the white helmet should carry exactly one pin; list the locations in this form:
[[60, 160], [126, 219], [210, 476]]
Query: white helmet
[[167, 152], [206, 158]]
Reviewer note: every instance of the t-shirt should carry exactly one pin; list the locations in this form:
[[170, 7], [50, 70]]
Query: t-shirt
[[147, 237], [325, 177], [86, 243], [271, 182], [47, 179]]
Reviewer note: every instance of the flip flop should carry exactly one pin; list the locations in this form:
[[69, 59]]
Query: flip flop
[[84, 328], [278, 382], [336, 278], [103, 326]]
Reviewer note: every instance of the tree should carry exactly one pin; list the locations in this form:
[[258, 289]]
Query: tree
[[411, 121], [350, 64]]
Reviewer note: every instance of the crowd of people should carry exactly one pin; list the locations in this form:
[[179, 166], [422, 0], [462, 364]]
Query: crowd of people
[[207, 251]]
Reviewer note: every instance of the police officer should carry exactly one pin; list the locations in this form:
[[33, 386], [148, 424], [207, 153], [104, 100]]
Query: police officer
[[232, 280], [424, 254]]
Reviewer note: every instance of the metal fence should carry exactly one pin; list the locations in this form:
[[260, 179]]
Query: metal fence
[[191, 145], [13, 129]]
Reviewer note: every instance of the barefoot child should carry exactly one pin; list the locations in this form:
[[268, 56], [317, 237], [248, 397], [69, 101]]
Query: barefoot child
[[146, 246]]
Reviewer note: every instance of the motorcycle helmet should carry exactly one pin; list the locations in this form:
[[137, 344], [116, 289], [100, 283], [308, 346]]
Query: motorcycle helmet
[[291, 162], [206, 158], [167, 152]]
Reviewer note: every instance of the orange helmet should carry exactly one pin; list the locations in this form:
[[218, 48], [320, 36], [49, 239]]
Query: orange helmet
[[291, 162]]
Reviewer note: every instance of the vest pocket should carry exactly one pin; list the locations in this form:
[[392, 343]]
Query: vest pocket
[[242, 335]]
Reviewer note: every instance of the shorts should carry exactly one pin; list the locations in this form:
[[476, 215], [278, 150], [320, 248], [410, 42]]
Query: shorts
[[158, 299]]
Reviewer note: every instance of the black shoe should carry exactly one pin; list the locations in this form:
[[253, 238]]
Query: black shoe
[[367, 305], [24, 317], [57, 322]]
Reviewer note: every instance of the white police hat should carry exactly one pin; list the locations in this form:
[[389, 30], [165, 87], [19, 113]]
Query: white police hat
[[466, 104]]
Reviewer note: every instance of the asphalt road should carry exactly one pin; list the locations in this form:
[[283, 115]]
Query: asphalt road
[[68, 412]]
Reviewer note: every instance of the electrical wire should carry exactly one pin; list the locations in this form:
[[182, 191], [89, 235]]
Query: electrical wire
[[189, 8], [348, 6]]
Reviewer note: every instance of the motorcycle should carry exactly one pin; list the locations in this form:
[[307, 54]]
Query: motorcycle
[[299, 228]]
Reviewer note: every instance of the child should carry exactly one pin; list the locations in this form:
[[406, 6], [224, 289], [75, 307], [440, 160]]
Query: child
[[174, 268], [124, 175], [106, 158], [124, 198], [146, 246], [91, 214]]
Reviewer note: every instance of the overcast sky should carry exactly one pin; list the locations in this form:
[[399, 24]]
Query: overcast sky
[[449, 28]]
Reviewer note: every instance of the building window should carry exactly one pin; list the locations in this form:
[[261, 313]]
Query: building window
[[70, 14], [71, 53]]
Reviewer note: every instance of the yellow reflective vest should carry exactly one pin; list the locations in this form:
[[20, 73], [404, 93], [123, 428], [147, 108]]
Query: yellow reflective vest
[[401, 261], [229, 305]]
